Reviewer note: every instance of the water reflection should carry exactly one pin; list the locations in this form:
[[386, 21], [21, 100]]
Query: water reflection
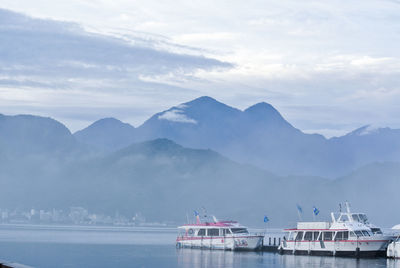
[[393, 263], [196, 258], [329, 262]]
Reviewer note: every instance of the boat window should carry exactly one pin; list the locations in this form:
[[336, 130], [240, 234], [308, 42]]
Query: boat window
[[286, 235], [291, 236], [191, 232], [365, 233], [346, 235], [344, 218], [308, 236], [202, 232], [213, 232], [327, 235], [339, 236], [355, 217], [299, 236], [315, 235], [363, 218], [226, 231], [239, 230], [376, 230], [358, 233]]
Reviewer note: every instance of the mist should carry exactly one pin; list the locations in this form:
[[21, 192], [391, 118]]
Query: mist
[[115, 168]]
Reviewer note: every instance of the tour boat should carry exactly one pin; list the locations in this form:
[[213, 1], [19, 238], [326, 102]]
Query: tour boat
[[225, 235], [393, 250], [349, 234]]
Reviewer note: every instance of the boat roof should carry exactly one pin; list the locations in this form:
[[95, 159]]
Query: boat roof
[[213, 224], [295, 229]]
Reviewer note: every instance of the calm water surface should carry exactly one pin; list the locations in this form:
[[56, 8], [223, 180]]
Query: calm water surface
[[47, 246]]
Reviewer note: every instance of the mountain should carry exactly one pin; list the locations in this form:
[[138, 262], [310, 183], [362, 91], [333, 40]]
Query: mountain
[[365, 145], [108, 134], [44, 166], [33, 135], [201, 123], [259, 135]]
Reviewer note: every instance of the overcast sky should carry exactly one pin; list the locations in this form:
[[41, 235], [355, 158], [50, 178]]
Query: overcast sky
[[327, 66]]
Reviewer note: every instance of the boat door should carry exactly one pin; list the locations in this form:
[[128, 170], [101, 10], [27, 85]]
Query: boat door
[[321, 240]]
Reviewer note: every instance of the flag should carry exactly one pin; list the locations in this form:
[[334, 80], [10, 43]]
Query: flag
[[316, 211], [197, 216], [266, 219], [299, 208]]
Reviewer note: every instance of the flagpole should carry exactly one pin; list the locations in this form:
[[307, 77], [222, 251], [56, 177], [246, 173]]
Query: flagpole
[[298, 213], [266, 220]]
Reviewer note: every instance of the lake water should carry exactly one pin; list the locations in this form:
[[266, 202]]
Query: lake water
[[63, 246]]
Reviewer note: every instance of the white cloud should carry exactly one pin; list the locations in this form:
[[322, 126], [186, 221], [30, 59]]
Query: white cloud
[[176, 115]]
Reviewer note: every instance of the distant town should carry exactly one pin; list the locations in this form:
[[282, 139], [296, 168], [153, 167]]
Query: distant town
[[73, 216]]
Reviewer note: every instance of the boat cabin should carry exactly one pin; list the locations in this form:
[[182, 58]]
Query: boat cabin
[[212, 229]]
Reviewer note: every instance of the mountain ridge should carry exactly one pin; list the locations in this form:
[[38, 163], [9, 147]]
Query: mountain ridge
[[261, 136]]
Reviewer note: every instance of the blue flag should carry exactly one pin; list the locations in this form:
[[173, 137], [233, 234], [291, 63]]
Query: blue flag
[[299, 208], [196, 213], [266, 219], [316, 211]]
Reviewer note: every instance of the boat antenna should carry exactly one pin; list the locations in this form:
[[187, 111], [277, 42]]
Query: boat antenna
[[348, 206], [340, 207], [204, 212]]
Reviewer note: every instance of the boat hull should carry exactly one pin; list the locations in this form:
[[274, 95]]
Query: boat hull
[[352, 254], [393, 250], [221, 243], [366, 248]]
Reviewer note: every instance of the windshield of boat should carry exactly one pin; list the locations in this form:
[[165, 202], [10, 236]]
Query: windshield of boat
[[360, 218], [363, 218], [239, 230], [376, 230]]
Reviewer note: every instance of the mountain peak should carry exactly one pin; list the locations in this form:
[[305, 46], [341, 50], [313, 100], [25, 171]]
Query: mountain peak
[[261, 107], [107, 133], [203, 100], [34, 134], [264, 111], [110, 122], [364, 130]]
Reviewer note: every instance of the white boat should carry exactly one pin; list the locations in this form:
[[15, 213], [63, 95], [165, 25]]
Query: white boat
[[393, 250], [225, 235], [349, 234]]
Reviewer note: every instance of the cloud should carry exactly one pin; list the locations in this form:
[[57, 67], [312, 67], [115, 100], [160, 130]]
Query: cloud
[[338, 58], [38, 50], [176, 115]]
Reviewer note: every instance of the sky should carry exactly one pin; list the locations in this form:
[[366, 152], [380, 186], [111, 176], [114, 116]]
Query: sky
[[329, 66]]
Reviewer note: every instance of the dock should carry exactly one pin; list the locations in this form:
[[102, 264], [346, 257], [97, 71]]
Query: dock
[[271, 242]]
